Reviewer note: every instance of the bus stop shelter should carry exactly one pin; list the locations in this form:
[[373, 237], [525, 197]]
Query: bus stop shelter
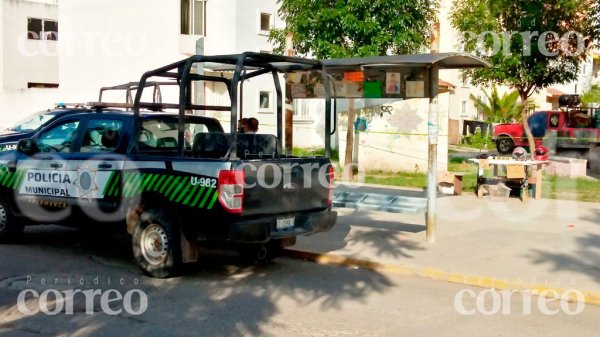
[[401, 77]]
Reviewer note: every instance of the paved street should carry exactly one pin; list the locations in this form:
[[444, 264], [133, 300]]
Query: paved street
[[224, 297]]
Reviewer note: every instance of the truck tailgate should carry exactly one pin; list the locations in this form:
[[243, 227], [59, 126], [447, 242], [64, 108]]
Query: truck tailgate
[[286, 185]]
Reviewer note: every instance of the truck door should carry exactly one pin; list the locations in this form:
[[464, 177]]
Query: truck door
[[44, 190], [96, 168]]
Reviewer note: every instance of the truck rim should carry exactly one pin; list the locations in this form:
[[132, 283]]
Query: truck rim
[[3, 218], [154, 244], [504, 145]]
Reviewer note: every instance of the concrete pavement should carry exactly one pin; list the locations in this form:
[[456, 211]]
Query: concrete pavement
[[541, 245]]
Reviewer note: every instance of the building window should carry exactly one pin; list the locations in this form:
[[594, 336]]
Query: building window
[[265, 22], [42, 29], [464, 108], [265, 101], [302, 108], [193, 17], [37, 85]]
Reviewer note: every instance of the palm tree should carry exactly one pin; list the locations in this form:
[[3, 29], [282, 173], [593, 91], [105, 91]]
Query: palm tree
[[499, 109]]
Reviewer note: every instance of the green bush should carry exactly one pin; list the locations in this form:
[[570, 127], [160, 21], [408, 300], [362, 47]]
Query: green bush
[[478, 140]]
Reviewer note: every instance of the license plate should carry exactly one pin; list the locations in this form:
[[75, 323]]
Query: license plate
[[285, 223]]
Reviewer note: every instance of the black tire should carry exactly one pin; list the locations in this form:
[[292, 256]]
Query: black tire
[[505, 145], [10, 227], [156, 244]]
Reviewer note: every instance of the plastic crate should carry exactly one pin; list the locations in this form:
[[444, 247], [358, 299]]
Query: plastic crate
[[498, 191]]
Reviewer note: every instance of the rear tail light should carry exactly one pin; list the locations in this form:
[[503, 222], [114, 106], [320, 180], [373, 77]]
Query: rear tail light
[[330, 176], [231, 190]]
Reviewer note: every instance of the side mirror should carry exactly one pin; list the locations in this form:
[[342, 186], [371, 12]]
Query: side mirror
[[26, 146]]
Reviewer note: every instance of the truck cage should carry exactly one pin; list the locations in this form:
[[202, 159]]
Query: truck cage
[[129, 87], [243, 66]]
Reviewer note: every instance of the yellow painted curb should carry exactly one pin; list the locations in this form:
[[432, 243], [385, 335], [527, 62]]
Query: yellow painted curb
[[589, 297]]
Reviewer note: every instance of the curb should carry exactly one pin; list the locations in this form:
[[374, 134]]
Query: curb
[[589, 297]]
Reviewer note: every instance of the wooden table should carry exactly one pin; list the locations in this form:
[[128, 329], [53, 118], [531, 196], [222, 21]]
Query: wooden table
[[532, 170]]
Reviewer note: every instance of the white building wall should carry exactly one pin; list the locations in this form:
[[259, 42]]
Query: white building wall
[[450, 42], [250, 38], [2, 50], [125, 44], [23, 61], [221, 27], [27, 60], [109, 42]]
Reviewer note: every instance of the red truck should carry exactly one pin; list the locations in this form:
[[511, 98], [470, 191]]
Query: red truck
[[573, 128]]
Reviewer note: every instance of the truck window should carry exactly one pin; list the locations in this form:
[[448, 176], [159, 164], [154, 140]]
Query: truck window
[[161, 135], [102, 135], [59, 138], [554, 120]]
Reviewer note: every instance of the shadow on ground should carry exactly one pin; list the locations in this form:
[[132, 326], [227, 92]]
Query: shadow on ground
[[359, 232], [584, 260], [221, 288]]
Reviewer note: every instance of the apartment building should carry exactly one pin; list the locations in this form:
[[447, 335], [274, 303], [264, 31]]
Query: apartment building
[[29, 70], [112, 42]]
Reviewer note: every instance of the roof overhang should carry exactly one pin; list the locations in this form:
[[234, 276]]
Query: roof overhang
[[443, 60]]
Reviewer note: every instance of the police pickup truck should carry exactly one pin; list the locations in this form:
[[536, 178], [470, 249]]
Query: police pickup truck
[[174, 180]]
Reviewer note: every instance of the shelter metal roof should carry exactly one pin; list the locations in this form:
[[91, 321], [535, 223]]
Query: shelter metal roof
[[444, 60]]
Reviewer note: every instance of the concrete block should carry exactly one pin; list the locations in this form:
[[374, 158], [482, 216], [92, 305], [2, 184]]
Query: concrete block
[[566, 167]]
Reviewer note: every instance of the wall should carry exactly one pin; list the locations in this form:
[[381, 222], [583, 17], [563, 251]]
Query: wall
[[221, 27], [20, 103], [398, 141], [111, 42], [25, 60], [449, 42], [2, 49], [250, 38]]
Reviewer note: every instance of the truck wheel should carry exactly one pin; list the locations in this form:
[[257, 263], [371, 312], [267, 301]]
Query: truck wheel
[[156, 244], [505, 145], [10, 227]]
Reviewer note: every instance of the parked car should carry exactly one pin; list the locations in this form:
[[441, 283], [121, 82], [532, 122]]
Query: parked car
[[575, 128], [28, 126]]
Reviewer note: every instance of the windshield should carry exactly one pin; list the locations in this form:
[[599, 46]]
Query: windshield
[[32, 122]]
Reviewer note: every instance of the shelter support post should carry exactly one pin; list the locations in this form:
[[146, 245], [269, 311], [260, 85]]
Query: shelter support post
[[433, 128], [289, 129]]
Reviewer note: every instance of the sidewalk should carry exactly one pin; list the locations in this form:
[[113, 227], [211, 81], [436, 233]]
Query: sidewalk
[[539, 245]]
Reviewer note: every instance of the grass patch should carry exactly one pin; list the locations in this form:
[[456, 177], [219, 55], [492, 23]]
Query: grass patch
[[580, 189], [563, 188], [315, 152], [404, 179]]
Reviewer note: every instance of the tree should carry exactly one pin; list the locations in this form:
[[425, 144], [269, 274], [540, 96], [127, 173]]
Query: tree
[[529, 44], [351, 28], [499, 109], [591, 96]]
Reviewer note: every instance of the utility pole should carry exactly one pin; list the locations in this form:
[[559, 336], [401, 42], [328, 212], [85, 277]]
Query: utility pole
[[431, 220]]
